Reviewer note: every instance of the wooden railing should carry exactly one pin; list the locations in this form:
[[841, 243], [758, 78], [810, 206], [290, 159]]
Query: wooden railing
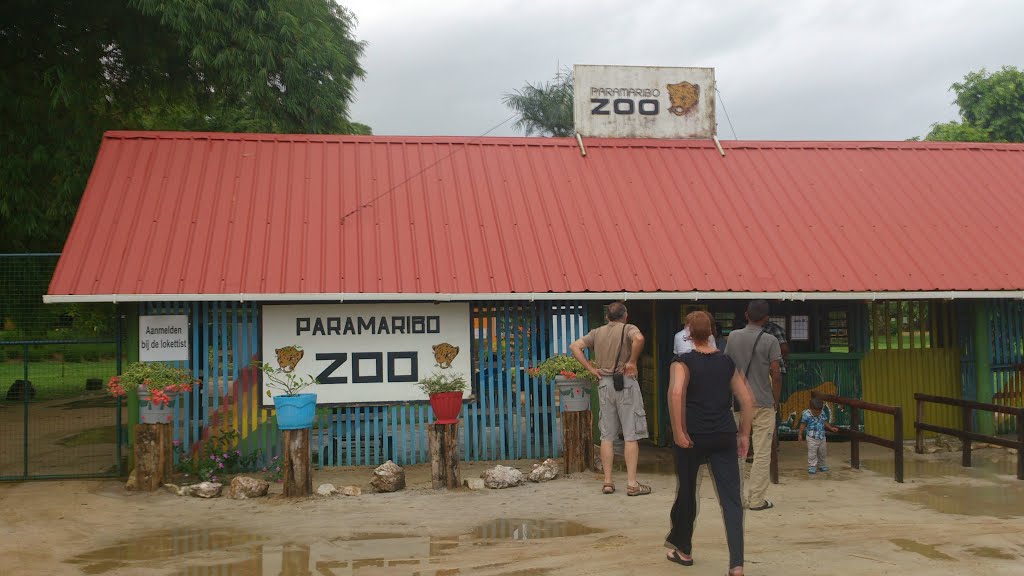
[[965, 433], [856, 436]]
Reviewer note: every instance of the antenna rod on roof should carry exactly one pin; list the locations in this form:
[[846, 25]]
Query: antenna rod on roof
[[718, 145], [579, 140]]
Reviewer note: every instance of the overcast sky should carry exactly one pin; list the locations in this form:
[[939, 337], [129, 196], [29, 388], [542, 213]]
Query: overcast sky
[[785, 69]]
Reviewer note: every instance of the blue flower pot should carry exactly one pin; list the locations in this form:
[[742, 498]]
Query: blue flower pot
[[295, 412]]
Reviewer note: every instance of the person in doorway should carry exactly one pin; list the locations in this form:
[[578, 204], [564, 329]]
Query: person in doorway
[[757, 355], [702, 385], [815, 423], [683, 343], [617, 346]]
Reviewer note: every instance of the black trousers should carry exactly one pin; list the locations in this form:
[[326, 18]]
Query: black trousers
[[718, 450]]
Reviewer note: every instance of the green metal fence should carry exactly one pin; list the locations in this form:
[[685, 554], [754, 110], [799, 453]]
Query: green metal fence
[[56, 420]]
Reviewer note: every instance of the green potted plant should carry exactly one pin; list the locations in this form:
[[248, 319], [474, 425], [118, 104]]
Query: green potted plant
[[295, 410], [572, 381], [445, 391], [157, 385]]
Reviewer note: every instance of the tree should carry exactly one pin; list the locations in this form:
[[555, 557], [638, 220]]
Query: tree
[[991, 108], [71, 70], [544, 109]]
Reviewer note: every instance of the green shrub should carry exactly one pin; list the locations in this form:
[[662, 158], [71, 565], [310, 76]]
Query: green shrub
[[72, 355]]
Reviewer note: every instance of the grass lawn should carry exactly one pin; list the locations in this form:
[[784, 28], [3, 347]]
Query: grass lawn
[[53, 380]]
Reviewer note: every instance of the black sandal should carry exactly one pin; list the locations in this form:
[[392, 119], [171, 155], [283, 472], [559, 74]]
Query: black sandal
[[677, 557]]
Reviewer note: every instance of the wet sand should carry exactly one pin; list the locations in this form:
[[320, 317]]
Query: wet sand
[[942, 520]]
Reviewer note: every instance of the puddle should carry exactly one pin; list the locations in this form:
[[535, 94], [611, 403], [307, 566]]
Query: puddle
[[206, 552], [1000, 501], [158, 546], [226, 553], [986, 552], [925, 550], [521, 529]]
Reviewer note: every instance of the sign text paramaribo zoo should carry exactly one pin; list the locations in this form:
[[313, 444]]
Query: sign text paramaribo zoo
[[373, 325], [625, 101], [367, 353]]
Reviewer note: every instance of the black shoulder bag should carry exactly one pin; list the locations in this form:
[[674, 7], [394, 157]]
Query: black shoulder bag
[[618, 379], [746, 373]]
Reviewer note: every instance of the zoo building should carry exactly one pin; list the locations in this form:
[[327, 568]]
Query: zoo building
[[893, 266]]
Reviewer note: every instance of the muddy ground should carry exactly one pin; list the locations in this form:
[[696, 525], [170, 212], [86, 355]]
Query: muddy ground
[[942, 520]]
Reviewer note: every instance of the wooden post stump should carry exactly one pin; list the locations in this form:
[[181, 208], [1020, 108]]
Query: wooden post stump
[[577, 441], [298, 476], [444, 456], [154, 459]]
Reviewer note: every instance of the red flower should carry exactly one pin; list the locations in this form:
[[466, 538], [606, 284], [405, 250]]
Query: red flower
[[567, 374], [159, 397]]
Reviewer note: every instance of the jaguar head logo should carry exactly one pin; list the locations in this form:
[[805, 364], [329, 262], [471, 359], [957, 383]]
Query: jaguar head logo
[[683, 97]]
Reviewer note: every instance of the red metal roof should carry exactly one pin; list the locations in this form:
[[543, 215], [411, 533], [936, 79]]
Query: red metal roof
[[177, 213]]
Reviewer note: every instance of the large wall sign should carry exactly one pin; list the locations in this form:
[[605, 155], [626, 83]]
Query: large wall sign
[[644, 101], [163, 338], [367, 353]]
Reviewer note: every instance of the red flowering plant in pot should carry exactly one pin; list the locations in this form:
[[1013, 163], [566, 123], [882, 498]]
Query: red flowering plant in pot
[[572, 381], [445, 391], [157, 384]]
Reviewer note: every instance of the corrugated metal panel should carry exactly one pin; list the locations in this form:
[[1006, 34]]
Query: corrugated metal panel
[[892, 377], [184, 213]]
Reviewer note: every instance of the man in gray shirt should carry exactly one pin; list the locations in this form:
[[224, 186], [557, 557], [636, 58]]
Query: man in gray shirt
[[757, 355]]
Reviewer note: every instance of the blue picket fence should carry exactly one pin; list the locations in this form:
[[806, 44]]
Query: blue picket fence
[[510, 416]]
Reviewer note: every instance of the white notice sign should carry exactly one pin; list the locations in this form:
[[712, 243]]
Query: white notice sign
[[163, 338], [366, 353]]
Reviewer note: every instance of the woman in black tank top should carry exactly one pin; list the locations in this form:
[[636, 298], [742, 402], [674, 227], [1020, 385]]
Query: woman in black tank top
[[700, 399]]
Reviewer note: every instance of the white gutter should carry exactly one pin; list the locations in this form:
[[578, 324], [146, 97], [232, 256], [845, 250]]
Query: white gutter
[[530, 296]]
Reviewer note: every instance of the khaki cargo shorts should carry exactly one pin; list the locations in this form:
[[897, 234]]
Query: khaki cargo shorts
[[621, 411]]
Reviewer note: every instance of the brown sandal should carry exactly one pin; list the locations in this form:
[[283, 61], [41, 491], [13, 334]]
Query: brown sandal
[[608, 488], [638, 490]]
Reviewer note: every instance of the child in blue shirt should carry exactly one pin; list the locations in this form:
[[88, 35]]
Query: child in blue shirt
[[814, 422]]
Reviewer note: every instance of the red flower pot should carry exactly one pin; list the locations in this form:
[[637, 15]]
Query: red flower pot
[[446, 406]]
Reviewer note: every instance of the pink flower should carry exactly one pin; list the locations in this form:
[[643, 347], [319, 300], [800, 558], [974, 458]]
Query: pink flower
[[177, 442]]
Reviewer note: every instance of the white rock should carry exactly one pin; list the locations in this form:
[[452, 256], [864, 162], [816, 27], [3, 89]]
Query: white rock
[[207, 489], [132, 483], [474, 483], [326, 490], [502, 477], [352, 491], [388, 477], [243, 487], [172, 488], [548, 470]]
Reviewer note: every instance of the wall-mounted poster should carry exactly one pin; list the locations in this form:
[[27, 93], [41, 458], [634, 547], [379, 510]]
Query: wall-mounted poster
[[367, 353], [800, 327]]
